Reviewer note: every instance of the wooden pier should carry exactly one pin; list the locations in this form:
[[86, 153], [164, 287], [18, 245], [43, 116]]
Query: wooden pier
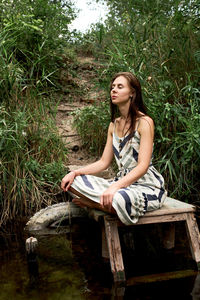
[[171, 212]]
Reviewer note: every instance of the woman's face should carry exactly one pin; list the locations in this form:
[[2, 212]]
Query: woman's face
[[120, 91]]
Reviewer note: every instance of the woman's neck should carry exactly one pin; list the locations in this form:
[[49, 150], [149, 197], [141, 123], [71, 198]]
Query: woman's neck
[[124, 111]]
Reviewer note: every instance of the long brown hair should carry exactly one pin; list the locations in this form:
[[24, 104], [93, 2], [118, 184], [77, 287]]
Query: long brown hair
[[136, 105]]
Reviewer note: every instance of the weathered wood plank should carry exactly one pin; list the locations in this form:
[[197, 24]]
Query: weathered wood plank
[[171, 206], [168, 211], [114, 248], [162, 219]]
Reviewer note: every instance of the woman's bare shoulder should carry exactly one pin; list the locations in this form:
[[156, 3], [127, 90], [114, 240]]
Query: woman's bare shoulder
[[145, 123], [146, 119]]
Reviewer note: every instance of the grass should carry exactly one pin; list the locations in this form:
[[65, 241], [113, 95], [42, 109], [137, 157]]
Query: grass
[[32, 156]]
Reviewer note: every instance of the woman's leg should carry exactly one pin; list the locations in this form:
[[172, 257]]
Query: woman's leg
[[84, 201]]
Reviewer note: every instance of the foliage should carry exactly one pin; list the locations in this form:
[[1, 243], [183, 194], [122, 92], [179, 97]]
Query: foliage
[[33, 40], [91, 42], [33, 34], [159, 42], [178, 143], [91, 123], [32, 157]]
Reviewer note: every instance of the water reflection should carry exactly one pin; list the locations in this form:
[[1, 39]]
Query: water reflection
[[196, 289], [69, 265], [33, 270]]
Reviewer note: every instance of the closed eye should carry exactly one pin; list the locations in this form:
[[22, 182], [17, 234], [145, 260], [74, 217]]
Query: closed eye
[[120, 86]]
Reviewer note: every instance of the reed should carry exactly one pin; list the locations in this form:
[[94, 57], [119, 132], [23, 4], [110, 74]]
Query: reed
[[32, 156], [33, 36]]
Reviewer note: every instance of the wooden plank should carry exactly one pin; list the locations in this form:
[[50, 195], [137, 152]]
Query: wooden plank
[[171, 207], [168, 211], [152, 219], [193, 236], [162, 219], [114, 248]]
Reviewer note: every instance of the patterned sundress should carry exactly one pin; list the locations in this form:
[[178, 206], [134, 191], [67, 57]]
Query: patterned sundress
[[146, 194]]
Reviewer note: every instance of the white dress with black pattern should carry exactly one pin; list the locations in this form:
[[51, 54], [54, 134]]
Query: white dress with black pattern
[[146, 194]]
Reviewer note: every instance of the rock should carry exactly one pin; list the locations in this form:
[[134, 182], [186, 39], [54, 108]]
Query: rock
[[54, 214]]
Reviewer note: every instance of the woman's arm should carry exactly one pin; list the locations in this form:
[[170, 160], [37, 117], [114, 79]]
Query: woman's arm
[[146, 131], [95, 167]]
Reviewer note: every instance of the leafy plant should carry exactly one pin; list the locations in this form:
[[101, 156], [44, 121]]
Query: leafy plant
[[92, 123]]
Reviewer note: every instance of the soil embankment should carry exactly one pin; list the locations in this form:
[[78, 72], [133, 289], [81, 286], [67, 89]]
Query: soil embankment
[[82, 90]]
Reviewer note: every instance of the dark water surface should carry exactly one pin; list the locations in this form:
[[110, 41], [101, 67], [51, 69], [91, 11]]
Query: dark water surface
[[69, 265]]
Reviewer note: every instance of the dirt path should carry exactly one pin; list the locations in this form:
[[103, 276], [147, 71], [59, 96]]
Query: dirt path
[[88, 93]]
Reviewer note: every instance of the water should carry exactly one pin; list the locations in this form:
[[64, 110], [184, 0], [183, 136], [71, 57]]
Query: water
[[69, 266]]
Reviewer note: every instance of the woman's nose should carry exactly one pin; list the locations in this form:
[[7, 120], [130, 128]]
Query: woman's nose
[[113, 89]]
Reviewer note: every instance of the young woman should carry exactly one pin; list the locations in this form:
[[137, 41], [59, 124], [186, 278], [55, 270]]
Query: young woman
[[137, 187]]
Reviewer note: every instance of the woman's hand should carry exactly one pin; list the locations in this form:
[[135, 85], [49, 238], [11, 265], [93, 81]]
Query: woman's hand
[[67, 181], [107, 197]]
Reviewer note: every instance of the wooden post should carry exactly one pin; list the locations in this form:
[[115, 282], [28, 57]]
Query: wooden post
[[31, 245], [104, 246], [118, 292], [31, 250], [196, 289], [193, 236], [114, 248]]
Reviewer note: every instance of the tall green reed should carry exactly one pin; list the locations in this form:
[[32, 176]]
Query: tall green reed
[[32, 39], [33, 35], [32, 156]]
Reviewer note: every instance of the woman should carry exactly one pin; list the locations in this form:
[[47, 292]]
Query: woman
[[138, 187]]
